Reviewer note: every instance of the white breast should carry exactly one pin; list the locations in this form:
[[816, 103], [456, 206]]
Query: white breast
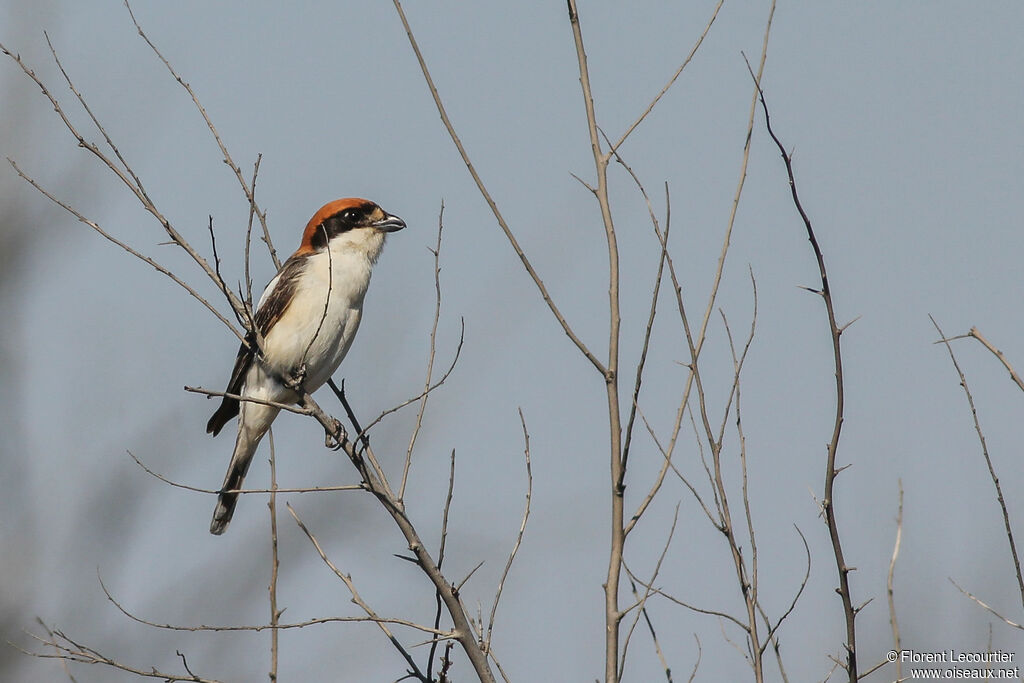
[[319, 325]]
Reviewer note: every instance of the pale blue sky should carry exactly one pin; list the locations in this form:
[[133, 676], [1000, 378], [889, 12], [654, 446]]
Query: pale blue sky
[[905, 121]]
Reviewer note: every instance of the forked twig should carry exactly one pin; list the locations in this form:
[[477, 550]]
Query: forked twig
[[246, 188]]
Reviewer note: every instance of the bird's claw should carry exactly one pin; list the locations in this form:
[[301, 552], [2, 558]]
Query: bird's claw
[[297, 378], [335, 437]]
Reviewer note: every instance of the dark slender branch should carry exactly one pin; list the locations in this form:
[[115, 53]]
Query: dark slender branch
[[828, 500]]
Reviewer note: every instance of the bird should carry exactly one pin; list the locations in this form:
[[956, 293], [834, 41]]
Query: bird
[[307, 318]]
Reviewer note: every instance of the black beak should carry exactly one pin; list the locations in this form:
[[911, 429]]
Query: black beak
[[389, 223]]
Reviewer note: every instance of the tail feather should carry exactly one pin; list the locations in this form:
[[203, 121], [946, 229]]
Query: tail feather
[[245, 448]]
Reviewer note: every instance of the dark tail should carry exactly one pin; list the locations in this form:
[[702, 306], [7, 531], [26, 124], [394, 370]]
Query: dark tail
[[223, 512], [226, 500]]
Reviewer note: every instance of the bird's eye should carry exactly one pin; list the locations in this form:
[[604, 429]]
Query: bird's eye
[[349, 214]]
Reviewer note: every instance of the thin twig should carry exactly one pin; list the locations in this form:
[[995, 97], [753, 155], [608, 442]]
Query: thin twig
[[257, 628], [378, 474], [249, 191], [998, 354], [69, 650], [985, 453], [347, 580], [987, 607], [692, 608], [519, 536], [123, 245], [509, 235], [672, 80], [641, 603], [197, 489], [63, 661], [127, 177], [772, 636], [436, 251], [440, 558], [696, 664], [890, 581], [413, 399], [641, 363], [275, 613]]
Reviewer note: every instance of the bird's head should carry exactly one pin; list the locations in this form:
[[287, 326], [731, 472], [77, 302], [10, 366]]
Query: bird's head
[[358, 222]]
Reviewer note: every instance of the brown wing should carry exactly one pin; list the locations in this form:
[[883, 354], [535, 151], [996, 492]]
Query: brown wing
[[272, 306]]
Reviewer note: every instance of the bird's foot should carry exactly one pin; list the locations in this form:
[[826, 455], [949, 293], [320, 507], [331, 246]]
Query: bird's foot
[[297, 378], [336, 436]]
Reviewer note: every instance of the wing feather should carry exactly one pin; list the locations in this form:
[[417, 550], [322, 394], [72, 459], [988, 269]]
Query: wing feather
[[272, 305]]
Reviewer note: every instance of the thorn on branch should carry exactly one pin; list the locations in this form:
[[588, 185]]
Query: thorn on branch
[[843, 328]]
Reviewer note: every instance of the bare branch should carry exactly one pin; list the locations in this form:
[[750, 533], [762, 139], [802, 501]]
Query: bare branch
[[68, 650], [988, 458], [828, 501], [641, 363], [519, 536], [127, 177], [290, 407], [692, 608], [987, 607], [63, 661], [436, 251], [440, 560], [672, 80], [275, 613], [358, 600], [142, 257], [432, 387], [890, 581], [256, 628], [679, 474], [307, 489], [772, 630], [998, 354], [246, 188], [696, 664], [490, 202], [641, 603]]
